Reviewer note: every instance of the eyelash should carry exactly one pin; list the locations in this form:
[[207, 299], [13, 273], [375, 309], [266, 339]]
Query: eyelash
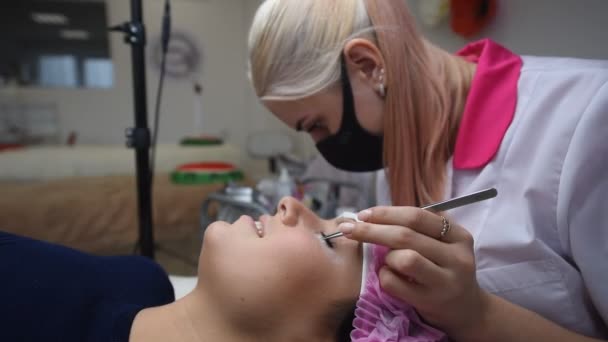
[[328, 242], [314, 126]]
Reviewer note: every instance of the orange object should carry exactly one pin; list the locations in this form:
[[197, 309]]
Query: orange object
[[469, 17]]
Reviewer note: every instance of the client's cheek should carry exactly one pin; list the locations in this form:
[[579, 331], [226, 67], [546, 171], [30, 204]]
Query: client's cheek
[[302, 260]]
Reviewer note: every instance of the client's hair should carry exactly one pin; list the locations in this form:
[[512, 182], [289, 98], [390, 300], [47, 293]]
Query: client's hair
[[341, 316]]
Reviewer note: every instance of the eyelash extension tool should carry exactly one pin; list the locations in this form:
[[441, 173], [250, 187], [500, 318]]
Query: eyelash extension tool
[[445, 205]]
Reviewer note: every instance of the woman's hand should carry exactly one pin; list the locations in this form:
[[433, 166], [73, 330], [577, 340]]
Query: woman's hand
[[435, 274]]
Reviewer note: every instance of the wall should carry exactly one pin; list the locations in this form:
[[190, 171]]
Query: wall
[[100, 116], [545, 27], [572, 28]]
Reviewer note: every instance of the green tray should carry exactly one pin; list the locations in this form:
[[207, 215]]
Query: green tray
[[193, 177]]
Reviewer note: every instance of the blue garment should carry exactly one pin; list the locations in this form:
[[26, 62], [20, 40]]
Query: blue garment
[[53, 293]]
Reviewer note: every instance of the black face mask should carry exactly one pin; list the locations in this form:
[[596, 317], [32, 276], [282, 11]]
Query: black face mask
[[352, 148]]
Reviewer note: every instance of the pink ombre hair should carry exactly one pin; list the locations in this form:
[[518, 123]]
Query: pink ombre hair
[[421, 106]]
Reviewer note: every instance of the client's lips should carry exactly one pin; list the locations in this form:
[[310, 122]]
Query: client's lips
[[257, 226], [264, 224]]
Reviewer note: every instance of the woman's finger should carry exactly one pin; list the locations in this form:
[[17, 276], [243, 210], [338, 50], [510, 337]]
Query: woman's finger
[[397, 237], [401, 288], [410, 264], [420, 220]]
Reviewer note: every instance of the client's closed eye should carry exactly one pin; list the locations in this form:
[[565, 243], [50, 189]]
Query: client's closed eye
[[328, 242], [336, 222]]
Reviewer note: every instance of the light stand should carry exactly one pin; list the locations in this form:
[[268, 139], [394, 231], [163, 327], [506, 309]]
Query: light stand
[[139, 137]]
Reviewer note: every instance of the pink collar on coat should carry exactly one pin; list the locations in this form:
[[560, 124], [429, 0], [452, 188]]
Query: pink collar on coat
[[490, 105]]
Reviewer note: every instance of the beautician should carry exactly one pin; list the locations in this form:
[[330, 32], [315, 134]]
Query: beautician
[[530, 265]]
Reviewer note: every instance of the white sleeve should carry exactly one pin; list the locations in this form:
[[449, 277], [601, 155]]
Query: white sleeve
[[582, 206]]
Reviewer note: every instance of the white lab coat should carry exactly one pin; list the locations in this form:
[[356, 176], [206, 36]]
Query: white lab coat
[[543, 242]]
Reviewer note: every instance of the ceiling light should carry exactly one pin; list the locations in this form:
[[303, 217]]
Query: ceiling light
[[75, 34], [50, 18]]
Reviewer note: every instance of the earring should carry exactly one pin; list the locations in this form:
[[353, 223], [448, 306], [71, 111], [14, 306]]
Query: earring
[[381, 87]]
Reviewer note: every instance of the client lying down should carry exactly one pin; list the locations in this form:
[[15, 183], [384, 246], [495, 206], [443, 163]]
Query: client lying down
[[275, 281]]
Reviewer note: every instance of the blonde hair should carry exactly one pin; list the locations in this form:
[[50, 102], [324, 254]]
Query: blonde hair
[[295, 45], [294, 52]]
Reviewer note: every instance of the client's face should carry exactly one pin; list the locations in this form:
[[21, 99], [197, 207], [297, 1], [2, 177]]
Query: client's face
[[290, 274]]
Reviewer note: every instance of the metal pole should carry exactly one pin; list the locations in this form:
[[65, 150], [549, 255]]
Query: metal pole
[[139, 137], [142, 132]]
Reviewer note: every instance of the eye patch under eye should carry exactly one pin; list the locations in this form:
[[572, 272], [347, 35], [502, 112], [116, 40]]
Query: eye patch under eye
[[347, 217], [342, 218]]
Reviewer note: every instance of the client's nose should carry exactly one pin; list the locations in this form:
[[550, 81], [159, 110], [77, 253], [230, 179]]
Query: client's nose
[[289, 210]]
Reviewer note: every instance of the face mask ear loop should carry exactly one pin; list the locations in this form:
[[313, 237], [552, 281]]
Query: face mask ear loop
[[348, 102]]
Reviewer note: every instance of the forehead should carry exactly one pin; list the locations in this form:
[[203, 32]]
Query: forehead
[[293, 110]]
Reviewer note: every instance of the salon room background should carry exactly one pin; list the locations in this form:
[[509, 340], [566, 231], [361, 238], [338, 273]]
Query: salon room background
[[66, 99]]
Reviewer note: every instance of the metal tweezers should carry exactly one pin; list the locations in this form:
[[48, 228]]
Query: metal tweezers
[[446, 205]]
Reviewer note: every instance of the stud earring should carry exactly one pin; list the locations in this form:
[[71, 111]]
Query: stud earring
[[382, 90], [381, 87]]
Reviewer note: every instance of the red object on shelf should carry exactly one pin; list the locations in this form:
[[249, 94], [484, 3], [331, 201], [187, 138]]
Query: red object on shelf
[[72, 138], [8, 147], [469, 17], [207, 166]]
